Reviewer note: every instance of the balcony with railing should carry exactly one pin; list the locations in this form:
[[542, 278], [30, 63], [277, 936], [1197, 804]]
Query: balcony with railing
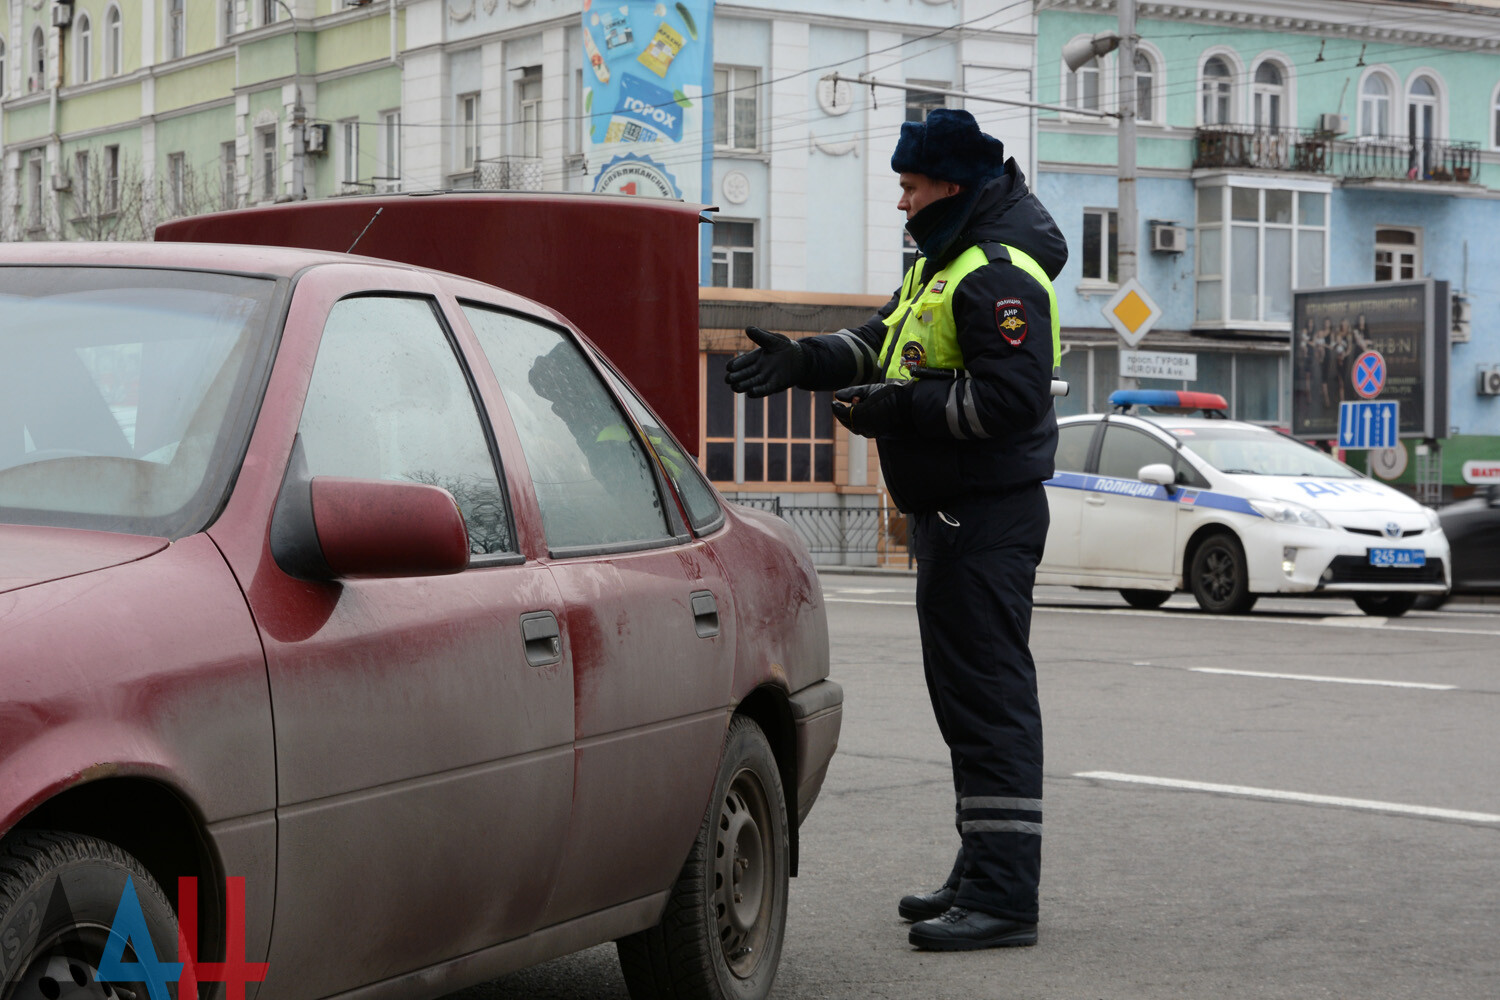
[[508, 173], [1375, 158]]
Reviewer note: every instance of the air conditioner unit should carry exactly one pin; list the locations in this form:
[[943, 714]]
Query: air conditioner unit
[[1489, 381], [317, 138], [1167, 238], [1334, 124], [62, 182], [1458, 327], [62, 15]]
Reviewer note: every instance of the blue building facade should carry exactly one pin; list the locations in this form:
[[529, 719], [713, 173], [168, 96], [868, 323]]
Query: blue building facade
[[1283, 146]]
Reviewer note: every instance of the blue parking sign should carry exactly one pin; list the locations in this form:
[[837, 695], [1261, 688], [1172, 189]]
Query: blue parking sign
[[1370, 424]]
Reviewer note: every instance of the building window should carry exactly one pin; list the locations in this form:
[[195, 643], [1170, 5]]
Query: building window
[[1217, 92], [2, 67], [349, 151], [529, 111], [266, 139], [1494, 104], [1145, 87], [1421, 125], [83, 36], [785, 438], [176, 30], [269, 11], [229, 181], [114, 48], [733, 255], [1375, 107], [227, 12], [81, 182], [1398, 254], [38, 79], [390, 151], [1101, 245], [919, 101], [468, 131], [111, 178], [34, 171], [1268, 96], [1254, 247], [1083, 86], [176, 183], [736, 90]]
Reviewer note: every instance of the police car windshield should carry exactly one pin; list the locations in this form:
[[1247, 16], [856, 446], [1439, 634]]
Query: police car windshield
[[1253, 451]]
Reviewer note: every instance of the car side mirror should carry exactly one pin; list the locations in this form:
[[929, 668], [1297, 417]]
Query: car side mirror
[[329, 527], [1159, 473], [1492, 495]]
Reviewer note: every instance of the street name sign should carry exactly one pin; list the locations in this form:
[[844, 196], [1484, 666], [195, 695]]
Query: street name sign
[[1159, 364], [1372, 424]]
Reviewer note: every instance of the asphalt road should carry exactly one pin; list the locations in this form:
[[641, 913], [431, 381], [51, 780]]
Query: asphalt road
[[1301, 802]]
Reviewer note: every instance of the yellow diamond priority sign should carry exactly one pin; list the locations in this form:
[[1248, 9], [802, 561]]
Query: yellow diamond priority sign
[[1132, 312]]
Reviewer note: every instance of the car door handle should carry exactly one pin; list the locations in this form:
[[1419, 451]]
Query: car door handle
[[705, 614], [1094, 499], [541, 637]]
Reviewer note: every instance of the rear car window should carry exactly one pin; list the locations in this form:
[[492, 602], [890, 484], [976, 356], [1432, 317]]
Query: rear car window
[[126, 393]]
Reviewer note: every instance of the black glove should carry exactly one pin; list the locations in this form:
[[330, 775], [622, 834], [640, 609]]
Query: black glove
[[777, 363], [879, 410]]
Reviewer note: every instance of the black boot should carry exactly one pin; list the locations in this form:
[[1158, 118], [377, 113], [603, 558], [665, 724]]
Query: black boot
[[968, 930], [926, 905]]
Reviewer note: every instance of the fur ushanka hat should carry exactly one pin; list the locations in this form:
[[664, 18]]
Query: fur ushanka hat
[[948, 146]]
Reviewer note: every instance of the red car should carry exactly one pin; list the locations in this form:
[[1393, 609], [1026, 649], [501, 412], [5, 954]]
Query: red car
[[362, 631]]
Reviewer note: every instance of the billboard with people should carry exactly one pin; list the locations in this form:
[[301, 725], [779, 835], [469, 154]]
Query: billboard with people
[[1386, 341]]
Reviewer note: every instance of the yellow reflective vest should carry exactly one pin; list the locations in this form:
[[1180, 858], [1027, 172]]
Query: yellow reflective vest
[[921, 331]]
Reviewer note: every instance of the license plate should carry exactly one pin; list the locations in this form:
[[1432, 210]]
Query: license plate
[[1398, 557]]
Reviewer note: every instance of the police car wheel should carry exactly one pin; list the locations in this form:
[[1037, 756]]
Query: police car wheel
[[721, 934], [1385, 605], [59, 895], [1146, 600], [1218, 577]]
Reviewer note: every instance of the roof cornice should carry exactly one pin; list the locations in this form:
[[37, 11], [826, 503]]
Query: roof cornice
[[1459, 27]]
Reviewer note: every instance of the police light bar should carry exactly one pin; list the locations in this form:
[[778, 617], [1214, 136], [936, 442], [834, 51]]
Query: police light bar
[[1169, 401]]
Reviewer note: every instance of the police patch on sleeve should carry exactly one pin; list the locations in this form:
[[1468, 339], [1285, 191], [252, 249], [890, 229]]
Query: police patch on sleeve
[[1010, 317]]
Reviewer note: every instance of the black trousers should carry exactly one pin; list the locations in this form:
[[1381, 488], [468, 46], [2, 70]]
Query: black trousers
[[976, 566]]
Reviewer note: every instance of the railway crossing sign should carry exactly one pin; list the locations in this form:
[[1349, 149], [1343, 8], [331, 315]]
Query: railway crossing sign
[[1368, 424]]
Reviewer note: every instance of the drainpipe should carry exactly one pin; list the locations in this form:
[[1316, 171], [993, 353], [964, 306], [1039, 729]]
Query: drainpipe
[[299, 114]]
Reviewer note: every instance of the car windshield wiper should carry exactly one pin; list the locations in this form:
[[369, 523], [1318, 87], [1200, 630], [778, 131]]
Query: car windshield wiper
[[1240, 472]]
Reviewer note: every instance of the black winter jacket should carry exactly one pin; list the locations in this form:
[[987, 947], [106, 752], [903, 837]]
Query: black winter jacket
[[992, 430]]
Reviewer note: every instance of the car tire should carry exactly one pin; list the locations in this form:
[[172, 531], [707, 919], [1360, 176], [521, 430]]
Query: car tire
[[1430, 602], [721, 934], [59, 893], [1385, 605], [1219, 579], [1146, 600]]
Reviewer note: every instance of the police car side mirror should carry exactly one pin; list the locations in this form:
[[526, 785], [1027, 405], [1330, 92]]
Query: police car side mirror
[[1492, 495], [1159, 473]]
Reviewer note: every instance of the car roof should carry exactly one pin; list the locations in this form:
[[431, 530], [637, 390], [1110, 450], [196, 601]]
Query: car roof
[[1167, 422], [281, 262]]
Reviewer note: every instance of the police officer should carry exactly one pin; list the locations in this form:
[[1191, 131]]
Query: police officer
[[952, 377]]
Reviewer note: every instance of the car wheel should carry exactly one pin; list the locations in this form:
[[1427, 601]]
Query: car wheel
[[59, 893], [1387, 605], [721, 934], [1219, 579], [1430, 602], [1146, 600]]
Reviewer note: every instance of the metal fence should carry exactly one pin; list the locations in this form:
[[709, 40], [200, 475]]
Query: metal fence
[[508, 173], [868, 535]]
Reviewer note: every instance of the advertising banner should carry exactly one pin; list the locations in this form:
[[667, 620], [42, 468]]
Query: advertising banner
[[649, 67], [1386, 342]]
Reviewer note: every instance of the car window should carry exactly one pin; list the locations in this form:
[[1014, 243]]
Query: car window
[[1073, 445], [593, 476], [389, 400], [1126, 449], [1242, 450], [126, 393], [698, 497]]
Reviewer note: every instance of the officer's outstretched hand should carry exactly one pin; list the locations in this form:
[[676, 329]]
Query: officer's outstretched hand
[[879, 410], [777, 363]]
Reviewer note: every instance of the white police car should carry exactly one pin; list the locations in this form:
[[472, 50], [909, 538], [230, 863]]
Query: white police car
[[1184, 500]]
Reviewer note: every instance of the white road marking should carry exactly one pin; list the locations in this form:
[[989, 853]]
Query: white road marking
[[855, 600], [1353, 622], [1245, 791], [1322, 680]]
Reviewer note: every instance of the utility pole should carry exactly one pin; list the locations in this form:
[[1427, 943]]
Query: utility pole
[[299, 114], [1128, 225]]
